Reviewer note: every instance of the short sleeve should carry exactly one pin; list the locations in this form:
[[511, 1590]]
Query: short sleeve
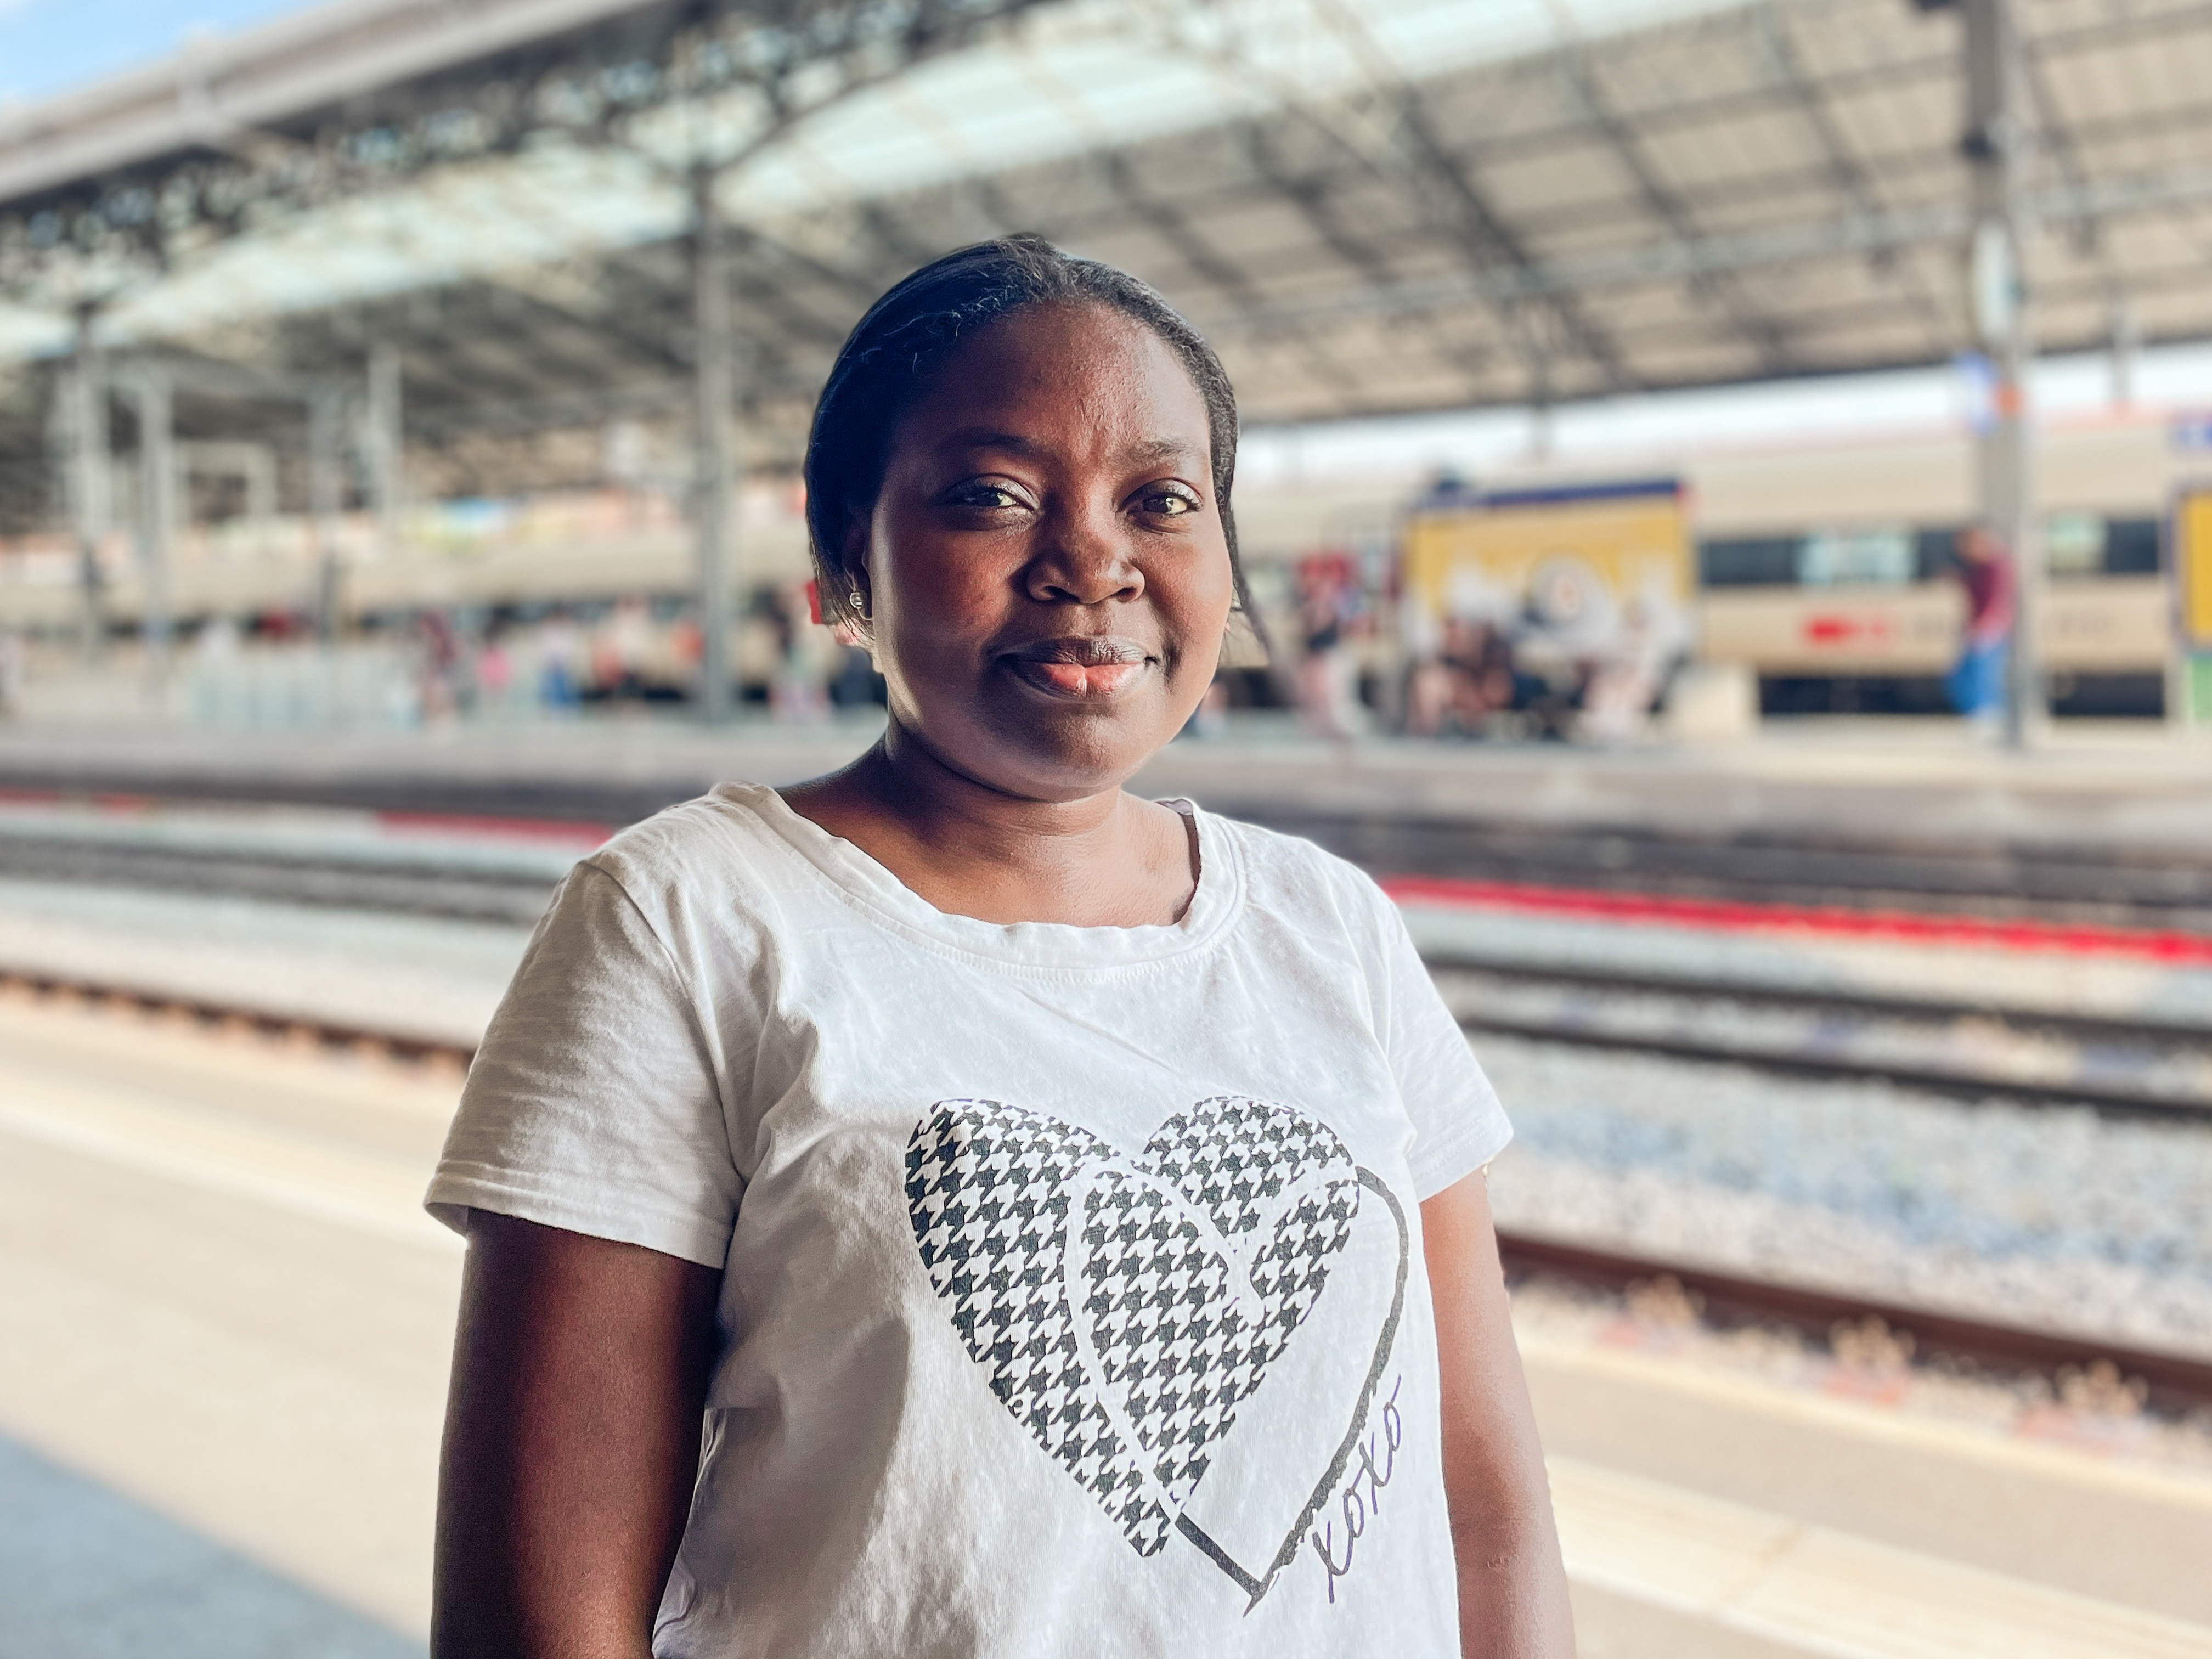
[[1459, 1124], [592, 1102]]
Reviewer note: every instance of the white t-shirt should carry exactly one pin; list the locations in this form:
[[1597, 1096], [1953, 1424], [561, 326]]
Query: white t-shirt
[[1073, 1298]]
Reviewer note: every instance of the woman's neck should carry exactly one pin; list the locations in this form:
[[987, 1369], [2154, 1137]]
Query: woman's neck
[[1108, 860]]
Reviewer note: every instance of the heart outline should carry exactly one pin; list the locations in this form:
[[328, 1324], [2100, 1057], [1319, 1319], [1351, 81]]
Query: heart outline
[[996, 1166], [1257, 1588]]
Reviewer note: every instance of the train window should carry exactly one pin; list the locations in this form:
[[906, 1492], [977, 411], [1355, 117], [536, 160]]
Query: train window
[[2132, 547], [1752, 562], [2073, 544], [1935, 552], [1877, 556]]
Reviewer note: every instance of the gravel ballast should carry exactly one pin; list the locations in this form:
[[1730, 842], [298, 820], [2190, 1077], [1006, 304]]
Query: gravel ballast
[[2050, 1218]]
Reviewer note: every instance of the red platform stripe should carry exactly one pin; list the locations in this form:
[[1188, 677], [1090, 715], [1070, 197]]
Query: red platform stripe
[[1736, 916], [570, 832]]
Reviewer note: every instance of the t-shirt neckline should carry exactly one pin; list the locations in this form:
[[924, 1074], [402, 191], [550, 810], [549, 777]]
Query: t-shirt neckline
[[872, 888]]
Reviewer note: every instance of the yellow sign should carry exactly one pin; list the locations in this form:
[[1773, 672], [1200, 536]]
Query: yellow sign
[[2193, 564], [1554, 555]]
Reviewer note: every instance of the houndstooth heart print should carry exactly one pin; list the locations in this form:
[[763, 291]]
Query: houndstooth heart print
[[1126, 1309]]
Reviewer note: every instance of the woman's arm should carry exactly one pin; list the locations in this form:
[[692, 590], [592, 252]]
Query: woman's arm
[[572, 1442], [1512, 1587]]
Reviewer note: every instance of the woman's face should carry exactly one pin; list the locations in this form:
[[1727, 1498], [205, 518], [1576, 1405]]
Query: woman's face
[[1048, 576]]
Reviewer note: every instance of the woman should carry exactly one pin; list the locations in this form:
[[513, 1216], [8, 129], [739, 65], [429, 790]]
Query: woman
[[1061, 1209]]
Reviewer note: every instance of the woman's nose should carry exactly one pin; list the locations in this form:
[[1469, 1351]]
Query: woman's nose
[[1085, 559]]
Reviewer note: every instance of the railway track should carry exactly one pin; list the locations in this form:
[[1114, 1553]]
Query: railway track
[[1990, 879], [2173, 1383], [1977, 1051], [2169, 1383], [1984, 877], [216, 1016], [423, 882]]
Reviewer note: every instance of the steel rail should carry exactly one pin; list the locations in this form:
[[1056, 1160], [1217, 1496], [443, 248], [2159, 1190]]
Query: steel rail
[[1935, 1080], [304, 1028], [2172, 1381], [394, 884], [2095, 1028], [1826, 1059]]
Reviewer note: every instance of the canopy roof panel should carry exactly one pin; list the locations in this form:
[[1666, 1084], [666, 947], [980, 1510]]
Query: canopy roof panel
[[1370, 206]]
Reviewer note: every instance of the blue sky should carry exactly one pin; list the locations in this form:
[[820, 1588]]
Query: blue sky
[[50, 45]]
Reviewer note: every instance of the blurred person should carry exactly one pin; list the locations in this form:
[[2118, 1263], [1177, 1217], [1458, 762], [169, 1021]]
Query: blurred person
[[1479, 660], [1985, 570], [492, 669], [799, 695], [1630, 680], [438, 666], [603, 673], [1328, 701], [1570, 627], [561, 657], [1428, 694], [1432, 685], [1066, 1209], [687, 642], [622, 649], [1465, 684], [1420, 636], [12, 672]]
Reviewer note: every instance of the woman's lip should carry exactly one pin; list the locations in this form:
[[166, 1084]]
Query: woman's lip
[[1079, 681], [1099, 650]]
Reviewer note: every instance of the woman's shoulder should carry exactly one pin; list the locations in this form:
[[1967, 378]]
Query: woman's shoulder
[[715, 851], [1287, 873]]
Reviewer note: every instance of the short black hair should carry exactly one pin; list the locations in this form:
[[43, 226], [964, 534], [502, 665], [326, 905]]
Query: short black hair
[[893, 354]]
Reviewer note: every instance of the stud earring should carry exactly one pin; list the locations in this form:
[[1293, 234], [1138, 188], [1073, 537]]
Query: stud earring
[[858, 602]]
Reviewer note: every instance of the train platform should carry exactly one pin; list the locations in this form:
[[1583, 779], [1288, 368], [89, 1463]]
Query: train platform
[[2137, 790], [244, 1224]]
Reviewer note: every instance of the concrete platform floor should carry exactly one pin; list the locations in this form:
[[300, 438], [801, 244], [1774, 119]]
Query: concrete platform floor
[[228, 1327]]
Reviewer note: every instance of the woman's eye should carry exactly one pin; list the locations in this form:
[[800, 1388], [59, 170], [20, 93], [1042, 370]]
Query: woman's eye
[[985, 495], [1169, 503]]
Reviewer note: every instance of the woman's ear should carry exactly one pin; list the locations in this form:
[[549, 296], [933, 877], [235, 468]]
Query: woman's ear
[[852, 566]]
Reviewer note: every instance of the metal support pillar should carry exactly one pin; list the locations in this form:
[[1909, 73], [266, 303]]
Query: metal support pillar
[[1541, 435], [87, 394], [715, 490], [1996, 147], [2126, 348], [1532, 341], [157, 513], [323, 486], [381, 444]]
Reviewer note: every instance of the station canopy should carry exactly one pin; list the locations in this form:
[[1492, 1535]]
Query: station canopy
[[1372, 206]]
